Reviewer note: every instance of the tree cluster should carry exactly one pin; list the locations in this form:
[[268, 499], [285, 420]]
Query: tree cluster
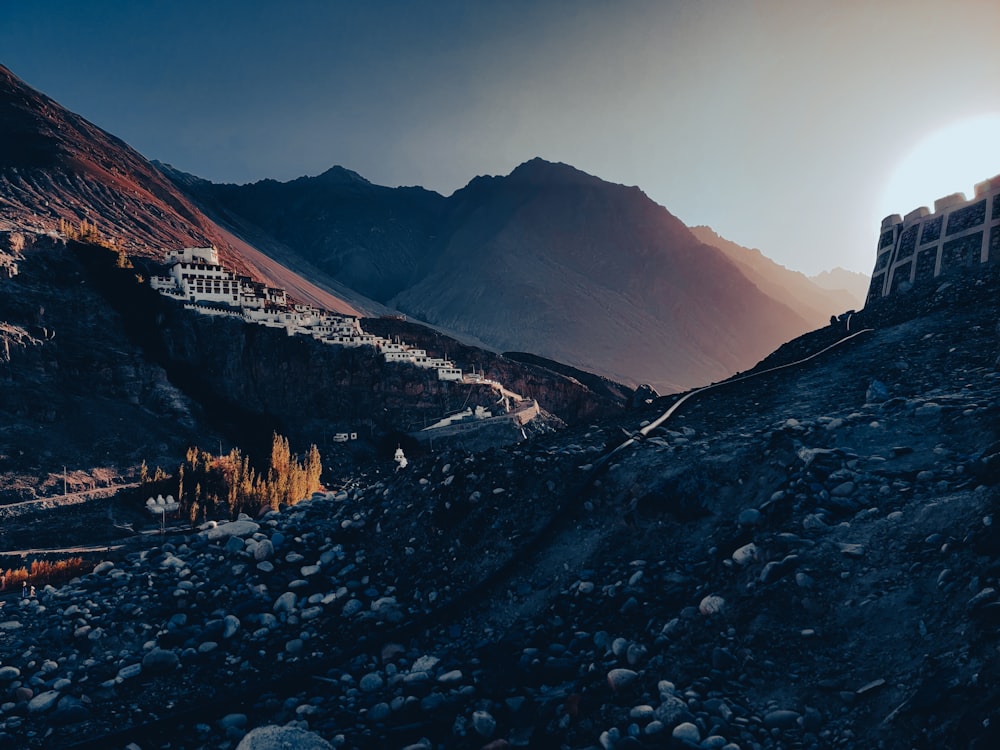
[[86, 231], [209, 486], [43, 572]]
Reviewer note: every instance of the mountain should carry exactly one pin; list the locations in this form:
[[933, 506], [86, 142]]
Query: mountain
[[547, 259], [854, 283], [100, 373], [554, 261], [810, 299]]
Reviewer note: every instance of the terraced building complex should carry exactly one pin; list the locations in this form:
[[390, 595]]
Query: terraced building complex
[[196, 277], [960, 233]]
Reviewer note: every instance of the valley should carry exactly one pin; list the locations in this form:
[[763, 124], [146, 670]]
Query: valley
[[709, 508], [520, 596]]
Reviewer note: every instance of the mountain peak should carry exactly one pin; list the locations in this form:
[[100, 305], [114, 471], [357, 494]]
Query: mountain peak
[[539, 170], [338, 175]]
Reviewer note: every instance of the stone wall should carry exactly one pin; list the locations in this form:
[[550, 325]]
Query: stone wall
[[960, 235]]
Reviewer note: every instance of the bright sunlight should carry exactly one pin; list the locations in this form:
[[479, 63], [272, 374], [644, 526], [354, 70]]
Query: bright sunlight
[[951, 160]]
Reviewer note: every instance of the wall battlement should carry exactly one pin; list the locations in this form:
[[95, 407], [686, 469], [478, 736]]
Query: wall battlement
[[959, 233]]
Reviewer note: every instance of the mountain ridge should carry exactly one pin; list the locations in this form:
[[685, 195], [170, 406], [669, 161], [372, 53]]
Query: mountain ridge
[[424, 254]]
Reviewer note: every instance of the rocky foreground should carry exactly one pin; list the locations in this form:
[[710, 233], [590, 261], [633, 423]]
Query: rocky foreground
[[807, 559]]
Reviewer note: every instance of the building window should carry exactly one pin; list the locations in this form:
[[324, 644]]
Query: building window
[[962, 252], [966, 218], [931, 231]]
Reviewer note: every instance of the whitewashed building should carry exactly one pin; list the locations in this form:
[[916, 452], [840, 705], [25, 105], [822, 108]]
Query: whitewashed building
[[197, 278]]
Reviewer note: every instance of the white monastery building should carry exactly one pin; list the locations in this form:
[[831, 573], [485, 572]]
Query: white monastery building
[[196, 278]]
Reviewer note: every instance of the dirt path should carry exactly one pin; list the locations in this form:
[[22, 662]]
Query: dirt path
[[14, 510]]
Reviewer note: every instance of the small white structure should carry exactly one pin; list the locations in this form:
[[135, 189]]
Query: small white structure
[[400, 459], [161, 506]]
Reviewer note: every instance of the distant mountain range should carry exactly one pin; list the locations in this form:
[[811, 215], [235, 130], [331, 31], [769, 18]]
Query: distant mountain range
[[547, 259]]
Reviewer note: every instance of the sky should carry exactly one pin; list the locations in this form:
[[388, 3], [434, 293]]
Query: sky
[[793, 126]]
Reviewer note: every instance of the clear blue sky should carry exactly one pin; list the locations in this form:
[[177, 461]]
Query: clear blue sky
[[779, 124]]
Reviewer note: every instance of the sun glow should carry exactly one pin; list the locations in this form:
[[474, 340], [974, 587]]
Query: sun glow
[[951, 160]]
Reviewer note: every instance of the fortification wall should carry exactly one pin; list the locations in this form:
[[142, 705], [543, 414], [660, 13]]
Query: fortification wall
[[959, 234]]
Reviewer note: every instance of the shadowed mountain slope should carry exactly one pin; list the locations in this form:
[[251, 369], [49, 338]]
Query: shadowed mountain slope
[[555, 261]]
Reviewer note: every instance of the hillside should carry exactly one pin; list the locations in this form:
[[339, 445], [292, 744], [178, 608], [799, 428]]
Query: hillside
[[101, 373], [55, 165], [806, 558]]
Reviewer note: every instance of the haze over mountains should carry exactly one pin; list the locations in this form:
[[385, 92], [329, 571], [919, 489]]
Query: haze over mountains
[[547, 260]]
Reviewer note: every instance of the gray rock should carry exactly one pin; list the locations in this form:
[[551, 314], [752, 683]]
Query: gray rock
[[929, 412], [69, 710], [484, 723], [282, 738], [451, 678], [781, 719], [103, 567], [812, 522], [371, 682], [672, 710], [285, 602], [845, 489], [232, 626], [425, 664], [9, 673], [263, 551], [352, 607], [714, 742], [746, 554], [636, 654], [160, 661], [379, 712], [43, 701], [238, 528], [687, 732], [642, 713], [233, 721], [130, 672], [234, 544], [877, 392], [619, 679]]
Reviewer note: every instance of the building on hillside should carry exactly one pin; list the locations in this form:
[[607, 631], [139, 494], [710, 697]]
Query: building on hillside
[[197, 278], [195, 275], [960, 233]]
